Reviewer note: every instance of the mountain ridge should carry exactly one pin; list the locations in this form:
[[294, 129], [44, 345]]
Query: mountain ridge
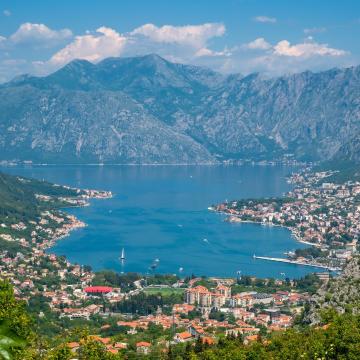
[[156, 111]]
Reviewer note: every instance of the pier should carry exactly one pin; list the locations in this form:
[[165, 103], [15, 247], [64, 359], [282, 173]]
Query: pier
[[295, 262]]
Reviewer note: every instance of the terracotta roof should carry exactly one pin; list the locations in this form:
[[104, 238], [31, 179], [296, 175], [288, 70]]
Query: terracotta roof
[[184, 335], [98, 289], [113, 351], [221, 286], [200, 289], [143, 344], [73, 345], [242, 323], [132, 324], [105, 340], [252, 337], [208, 340]]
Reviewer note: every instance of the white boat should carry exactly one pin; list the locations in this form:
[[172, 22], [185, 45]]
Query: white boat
[[122, 257]]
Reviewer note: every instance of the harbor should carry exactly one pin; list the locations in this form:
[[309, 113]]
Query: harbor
[[297, 262]]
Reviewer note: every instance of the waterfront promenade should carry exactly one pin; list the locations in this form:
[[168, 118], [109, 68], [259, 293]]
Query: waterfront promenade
[[296, 262]]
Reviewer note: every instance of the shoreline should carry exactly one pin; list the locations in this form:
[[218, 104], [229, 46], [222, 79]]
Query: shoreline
[[75, 224], [240, 221], [82, 201], [240, 163], [78, 224]]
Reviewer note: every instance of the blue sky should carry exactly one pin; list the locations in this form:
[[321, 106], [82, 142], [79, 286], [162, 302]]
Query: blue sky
[[269, 36]]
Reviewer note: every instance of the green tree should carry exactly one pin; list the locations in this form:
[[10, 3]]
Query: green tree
[[17, 338], [61, 352], [9, 341], [93, 350]]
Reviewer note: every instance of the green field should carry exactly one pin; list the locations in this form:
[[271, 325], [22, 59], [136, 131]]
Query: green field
[[163, 291]]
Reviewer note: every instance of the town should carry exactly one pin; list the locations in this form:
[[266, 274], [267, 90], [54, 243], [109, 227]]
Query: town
[[320, 214], [144, 314], [204, 309]]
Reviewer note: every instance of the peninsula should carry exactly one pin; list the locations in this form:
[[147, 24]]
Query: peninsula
[[324, 215]]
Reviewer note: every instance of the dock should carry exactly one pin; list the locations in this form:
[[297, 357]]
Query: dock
[[295, 262]]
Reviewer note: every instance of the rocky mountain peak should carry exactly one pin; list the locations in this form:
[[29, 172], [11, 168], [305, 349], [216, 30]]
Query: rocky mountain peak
[[313, 116]]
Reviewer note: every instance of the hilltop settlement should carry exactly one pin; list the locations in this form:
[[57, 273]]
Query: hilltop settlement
[[140, 315]]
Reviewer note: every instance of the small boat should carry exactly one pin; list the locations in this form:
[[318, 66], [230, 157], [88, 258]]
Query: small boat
[[122, 257]]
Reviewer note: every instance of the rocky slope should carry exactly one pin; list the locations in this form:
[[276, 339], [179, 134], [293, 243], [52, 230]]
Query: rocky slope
[[341, 293], [149, 110], [350, 150], [75, 126]]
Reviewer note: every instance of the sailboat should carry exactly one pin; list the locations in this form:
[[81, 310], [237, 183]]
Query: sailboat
[[122, 257]]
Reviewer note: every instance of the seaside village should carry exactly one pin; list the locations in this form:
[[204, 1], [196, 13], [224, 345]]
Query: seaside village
[[208, 308], [205, 314], [318, 213]]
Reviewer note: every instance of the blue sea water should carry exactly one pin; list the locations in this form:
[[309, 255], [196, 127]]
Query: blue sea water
[[161, 212]]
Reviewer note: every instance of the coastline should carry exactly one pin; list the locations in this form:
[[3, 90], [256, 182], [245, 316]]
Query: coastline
[[231, 219], [6, 163], [66, 247], [73, 223]]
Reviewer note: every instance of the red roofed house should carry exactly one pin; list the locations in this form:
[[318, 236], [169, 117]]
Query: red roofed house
[[120, 345], [283, 321], [98, 290], [262, 319], [250, 330], [111, 350], [183, 308], [143, 347], [196, 330], [251, 338], [208, 340], [73, 346], [199, 295], [183, 337], [223, 290]]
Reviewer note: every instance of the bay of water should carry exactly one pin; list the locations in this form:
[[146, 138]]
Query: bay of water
[[160, 212]]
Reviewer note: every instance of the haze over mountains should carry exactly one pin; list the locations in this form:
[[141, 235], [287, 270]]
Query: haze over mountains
[[148, 110]]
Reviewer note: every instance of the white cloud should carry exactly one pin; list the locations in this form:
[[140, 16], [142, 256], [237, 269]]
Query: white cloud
[[203, 52], [38, 33], [191, 35], [182, 43], [258, 44], [265, 19], [283, 58], [280, 58], [314, 30], [306, 49], [106, 42], [190, 44], [7, 12]]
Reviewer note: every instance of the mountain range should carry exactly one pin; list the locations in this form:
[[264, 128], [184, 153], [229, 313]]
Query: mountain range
[[149, 110]]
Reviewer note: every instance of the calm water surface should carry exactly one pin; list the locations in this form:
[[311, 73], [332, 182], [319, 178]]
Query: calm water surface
[[160, 212]]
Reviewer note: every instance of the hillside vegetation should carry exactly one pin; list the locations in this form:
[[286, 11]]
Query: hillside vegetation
[[18, 199]]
